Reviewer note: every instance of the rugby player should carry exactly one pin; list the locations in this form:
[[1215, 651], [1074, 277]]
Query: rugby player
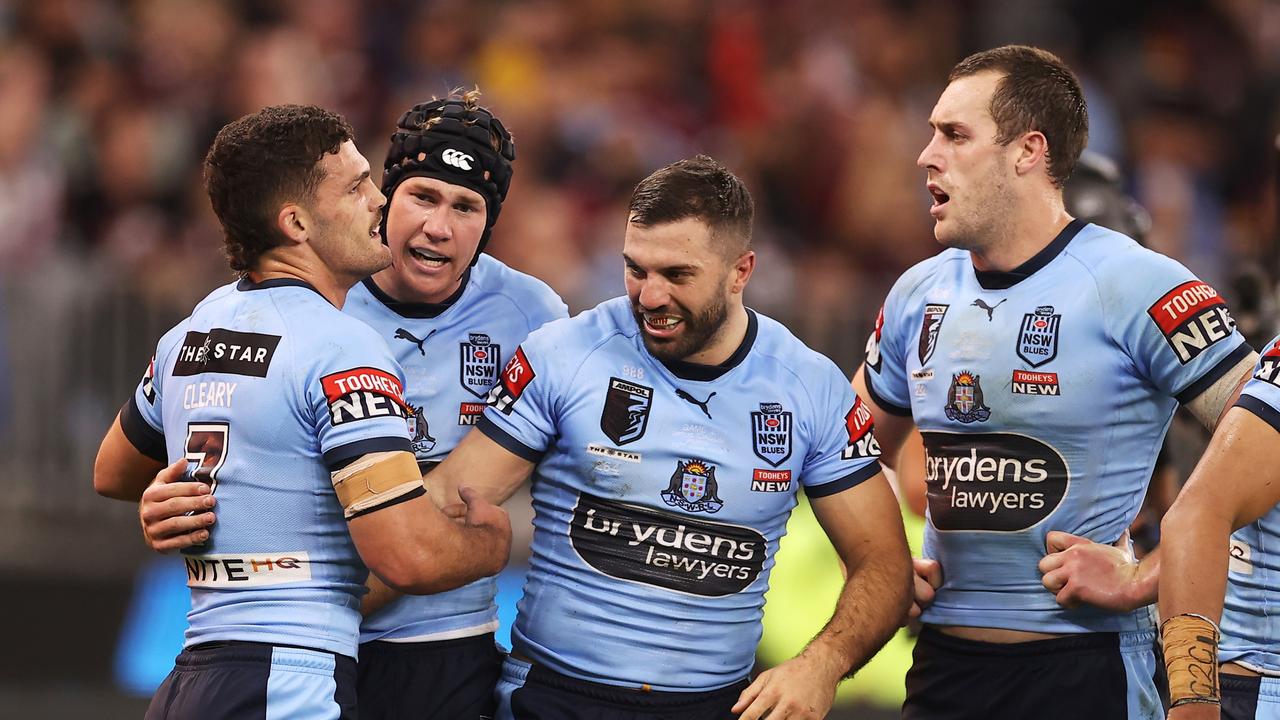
[[1220, 539], [1042, 358], [294, 415]]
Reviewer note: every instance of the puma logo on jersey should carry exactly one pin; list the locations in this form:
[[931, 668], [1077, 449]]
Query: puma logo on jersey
[[702, 405], [989, 308], [402, 334]]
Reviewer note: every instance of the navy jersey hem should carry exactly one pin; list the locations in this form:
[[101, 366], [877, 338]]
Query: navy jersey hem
[[341, 456], [844, 483], [1265, 412], [138, 431], [509, 443], [891, 408], [1215, 374]]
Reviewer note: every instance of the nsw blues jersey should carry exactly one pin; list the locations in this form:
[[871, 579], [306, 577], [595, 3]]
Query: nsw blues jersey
[[1250, 625], [265, 389], [451, 354], [1043, 395], [661, 492]]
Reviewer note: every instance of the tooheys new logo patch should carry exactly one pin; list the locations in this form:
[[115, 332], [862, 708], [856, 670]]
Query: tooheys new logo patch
[[1269, 365], [363, 393], [626, 411], [676, 552], [930, 326], [225, 351], [1192, 316], [149, 383], [991, 481], [516, 376], [479, 368], [1038, 336], [873, 342], [862, 441], [771, 433]]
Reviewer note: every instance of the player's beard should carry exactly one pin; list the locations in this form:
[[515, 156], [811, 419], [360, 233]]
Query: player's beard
[[697, 330], [985, 222]]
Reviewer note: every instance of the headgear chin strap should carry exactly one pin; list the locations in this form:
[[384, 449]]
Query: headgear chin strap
[[457, 148]]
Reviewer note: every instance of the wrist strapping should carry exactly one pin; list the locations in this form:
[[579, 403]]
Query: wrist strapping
[[1191, 658]]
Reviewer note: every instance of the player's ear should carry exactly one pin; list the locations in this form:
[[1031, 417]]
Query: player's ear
[[1030, 152], [742, 269], [294, 221]]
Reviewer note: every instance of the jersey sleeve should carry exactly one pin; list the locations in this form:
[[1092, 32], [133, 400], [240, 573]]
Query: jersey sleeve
[[1261, 395], [521, 415], [355, 393], [140, 417], [886, 362], [843, 451], [1176, 328]]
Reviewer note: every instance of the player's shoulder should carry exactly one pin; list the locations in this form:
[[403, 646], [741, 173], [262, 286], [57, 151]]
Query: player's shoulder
[[1119, 264], [588, 329], [524, 293], [776, 343], [936, 269]]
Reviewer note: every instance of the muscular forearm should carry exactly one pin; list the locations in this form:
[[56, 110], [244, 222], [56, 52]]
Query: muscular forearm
[[1194, 578], [872, 605]]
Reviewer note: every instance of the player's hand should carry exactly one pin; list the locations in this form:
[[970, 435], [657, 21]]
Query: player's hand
[[928, 578], [492, 520], [801, 688], [1077, 570], [1196, 711], [164, 507]]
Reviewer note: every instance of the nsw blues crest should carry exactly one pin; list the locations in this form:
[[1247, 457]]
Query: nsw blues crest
[[693, 487], [771, 433], [964, 399], [1038, 336], [478, 370]]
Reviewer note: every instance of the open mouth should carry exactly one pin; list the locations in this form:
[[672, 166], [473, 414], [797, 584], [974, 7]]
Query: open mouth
[[661, 325], [939, 197], [428, 258]]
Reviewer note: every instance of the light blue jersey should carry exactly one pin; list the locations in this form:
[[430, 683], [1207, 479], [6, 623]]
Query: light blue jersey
[[661, 492], [265, 389], [1250, 625], [451, 354], [1043, 395]]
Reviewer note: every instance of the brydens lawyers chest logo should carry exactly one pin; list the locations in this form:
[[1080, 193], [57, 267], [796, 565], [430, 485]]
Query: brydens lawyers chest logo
[[626, 411], [771, 433], [479, 368], [964, 399], [929, 328], [693, 487], [1038, 336]]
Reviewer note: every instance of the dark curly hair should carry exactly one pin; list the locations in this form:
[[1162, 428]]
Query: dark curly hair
[[261, 161]]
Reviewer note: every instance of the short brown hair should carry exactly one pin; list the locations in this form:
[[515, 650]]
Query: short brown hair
[[700, 188], [1038, 92], [261, 161]]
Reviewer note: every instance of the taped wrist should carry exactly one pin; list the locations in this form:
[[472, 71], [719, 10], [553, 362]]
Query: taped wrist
[[375, 481], [1191, 659]]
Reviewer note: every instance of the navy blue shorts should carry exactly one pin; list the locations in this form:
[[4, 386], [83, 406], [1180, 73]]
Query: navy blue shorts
[[535, 693], [1250, 698], [254, 681], [1094, 676], [441, 680]]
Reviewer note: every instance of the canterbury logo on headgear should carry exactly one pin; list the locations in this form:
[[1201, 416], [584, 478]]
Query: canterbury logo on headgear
[[457, 158]]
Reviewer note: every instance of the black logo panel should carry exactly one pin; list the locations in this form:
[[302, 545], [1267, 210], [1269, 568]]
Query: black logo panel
[[626, 411]]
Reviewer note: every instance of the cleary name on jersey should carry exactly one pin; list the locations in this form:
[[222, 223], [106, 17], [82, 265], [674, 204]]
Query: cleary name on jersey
[[661, 492], [265, 389], [1250, 627], [1043, 395], [451, 353]]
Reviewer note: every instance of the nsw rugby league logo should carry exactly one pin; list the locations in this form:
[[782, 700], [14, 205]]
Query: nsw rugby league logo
[[693, 487], [479, 368], [771, 433], [964, 399], [1038, 336], [422, 441]]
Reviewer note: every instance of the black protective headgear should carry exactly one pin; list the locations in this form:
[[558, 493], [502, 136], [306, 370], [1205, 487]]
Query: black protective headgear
[[1095, 193], [457, 148]]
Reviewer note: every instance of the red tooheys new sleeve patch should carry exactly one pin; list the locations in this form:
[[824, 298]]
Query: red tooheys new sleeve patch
[[363, 393], [516, 376], [862, 442], [1192, 317]]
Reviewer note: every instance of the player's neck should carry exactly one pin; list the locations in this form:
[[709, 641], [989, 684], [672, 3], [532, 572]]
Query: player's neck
[[726, 342], [1024, 235], [331, 287]]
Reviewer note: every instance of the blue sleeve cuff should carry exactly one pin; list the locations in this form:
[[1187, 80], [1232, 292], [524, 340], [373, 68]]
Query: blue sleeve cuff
[[341, 456], [1215, 374], [883, 404], [856, 478], [1265, 412], [507, 441], [138, 431]]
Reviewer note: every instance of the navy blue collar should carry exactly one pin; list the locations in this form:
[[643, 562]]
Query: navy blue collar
[[247, 285], [417, 310], [703, 373], [1003, 280]]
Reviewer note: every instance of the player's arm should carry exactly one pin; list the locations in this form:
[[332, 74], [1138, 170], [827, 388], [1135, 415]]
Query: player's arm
[[121, 470], [892, 427], [1236, 482], [865, 526], [404, 538]]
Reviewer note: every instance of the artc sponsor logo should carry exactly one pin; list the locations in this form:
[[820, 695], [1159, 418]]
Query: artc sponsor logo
[[675, 552], [1192, 317], [991, 481]]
